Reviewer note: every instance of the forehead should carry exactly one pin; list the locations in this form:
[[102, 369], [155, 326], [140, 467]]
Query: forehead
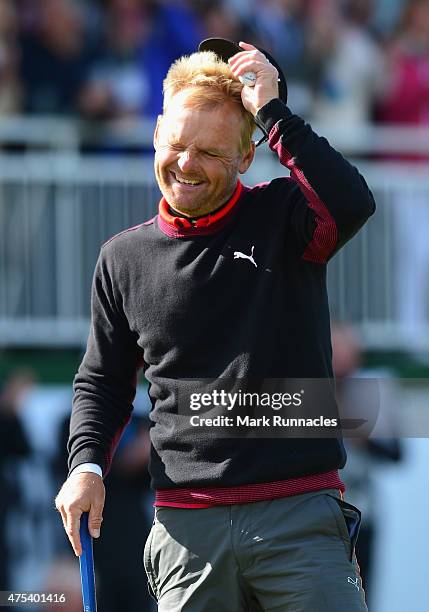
[[218, 125]]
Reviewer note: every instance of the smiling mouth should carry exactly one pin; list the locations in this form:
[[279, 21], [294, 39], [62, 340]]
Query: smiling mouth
[[189, 182]]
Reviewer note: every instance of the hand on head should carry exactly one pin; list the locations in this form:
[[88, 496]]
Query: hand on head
[[266, 85]]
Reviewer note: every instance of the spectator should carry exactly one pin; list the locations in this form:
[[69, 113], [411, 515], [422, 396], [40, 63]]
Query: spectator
[[279, 27], [117, 87], [167, 42], [55, 59], [142, 39], [406, 101], [218, 20], [350, 62], [386, 16], [10, 90], [13, 445]]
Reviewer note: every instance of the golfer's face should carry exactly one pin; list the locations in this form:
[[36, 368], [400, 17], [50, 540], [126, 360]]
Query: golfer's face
[[197, 157]]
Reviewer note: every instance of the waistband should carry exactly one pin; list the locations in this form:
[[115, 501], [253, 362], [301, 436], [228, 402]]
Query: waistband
[[243, 494]]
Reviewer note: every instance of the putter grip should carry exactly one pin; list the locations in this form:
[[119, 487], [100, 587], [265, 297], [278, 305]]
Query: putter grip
[[86, 561]]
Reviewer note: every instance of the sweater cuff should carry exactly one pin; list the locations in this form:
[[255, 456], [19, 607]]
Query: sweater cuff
[[87, 467], [269, 114]]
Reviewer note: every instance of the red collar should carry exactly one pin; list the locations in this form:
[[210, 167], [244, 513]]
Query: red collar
[[181, 226]]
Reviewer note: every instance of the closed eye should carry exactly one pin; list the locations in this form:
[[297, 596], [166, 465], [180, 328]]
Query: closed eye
[[211, 154]]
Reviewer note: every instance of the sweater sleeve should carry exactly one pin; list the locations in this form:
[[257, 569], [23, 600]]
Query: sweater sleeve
[[329, 200], [105, 385]]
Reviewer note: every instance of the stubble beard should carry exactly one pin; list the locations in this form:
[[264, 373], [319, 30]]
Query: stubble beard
[[205, 207]]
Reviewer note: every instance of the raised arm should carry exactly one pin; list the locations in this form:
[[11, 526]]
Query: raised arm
[[330, 200]]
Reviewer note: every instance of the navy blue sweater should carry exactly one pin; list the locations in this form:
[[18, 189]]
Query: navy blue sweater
[[170, 296]]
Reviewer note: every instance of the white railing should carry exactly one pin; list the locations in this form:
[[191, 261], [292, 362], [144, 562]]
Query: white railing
[[57, 207], [59, 133]]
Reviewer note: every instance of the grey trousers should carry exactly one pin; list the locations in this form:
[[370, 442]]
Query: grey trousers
[[294, 554]]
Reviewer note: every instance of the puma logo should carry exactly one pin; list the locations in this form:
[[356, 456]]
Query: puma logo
[[240, 255], [353, 581]]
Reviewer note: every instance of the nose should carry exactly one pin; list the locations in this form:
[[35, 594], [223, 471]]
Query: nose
[[186, 161]]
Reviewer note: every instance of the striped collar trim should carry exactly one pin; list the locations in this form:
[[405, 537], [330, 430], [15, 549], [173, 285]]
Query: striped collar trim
[[177, 227]]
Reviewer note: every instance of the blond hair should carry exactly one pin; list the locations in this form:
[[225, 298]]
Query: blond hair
[[212, 83]]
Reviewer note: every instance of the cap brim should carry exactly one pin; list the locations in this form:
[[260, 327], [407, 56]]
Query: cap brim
[[221, 46]]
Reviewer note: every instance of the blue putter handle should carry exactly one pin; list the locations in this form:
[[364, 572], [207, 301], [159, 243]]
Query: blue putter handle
[[86, 562]]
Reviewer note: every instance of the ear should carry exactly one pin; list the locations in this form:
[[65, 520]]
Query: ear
[[247, 159], [156, 132]]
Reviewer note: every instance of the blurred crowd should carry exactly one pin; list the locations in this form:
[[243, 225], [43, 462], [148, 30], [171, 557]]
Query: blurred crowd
[[348, 60], [34, 551]]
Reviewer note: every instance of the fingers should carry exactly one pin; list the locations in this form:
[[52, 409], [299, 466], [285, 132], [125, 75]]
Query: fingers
[[252, 61], [73, 525], [63, 517], [95, 519], [246, 46], [265, 87], [247, 64], [253, 56], [81, 493], [70, 515], [250, 51]]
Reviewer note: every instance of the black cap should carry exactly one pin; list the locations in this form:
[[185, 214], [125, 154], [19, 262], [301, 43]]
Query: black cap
[[227, 48]]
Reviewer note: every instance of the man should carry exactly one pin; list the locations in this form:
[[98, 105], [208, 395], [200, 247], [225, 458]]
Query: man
[[227, 282]]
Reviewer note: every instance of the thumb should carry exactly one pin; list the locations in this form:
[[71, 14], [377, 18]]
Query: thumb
[[95, 519]]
